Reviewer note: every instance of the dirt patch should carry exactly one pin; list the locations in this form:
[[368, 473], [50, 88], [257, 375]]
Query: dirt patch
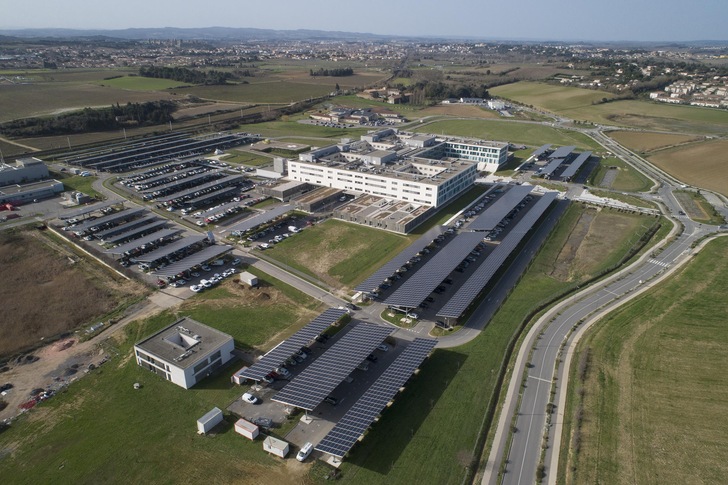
[[562, 270]]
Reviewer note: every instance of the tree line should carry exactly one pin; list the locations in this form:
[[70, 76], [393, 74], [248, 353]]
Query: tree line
[[185, 75], [336, 72], [93, 119]]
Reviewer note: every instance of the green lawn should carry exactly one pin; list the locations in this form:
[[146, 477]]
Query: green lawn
[[81, 184], [261, 92], [655, 389], [513, 132], [550, 96], [246, 158], [628, 179]]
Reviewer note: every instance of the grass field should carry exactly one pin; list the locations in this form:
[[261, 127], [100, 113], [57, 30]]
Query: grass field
[[260, 92], [139, 83], [439, 414], [550, 97], [526, 133], [101, 429], [623, 177], [645, 142], [655, 388], [35, 270], [81, 184], [246, 158], [702, 165], [337, 252]]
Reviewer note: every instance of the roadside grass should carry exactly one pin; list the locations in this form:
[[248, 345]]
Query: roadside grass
[[337, 252], [514, 132], [549, 96], [627, 179], [140, 83], [698, 208], [100, 429], [440, 412], [645, 142], [81, 184], [654, 385], [699, 164]]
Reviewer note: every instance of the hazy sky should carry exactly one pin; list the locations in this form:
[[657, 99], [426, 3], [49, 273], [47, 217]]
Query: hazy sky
[[662, 20]]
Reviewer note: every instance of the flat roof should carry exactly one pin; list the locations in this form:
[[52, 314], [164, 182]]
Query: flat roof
[[16, 189], [193, 260], [184, 342]]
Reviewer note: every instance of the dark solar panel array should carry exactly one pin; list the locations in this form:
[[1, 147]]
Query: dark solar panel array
[[541, 150], [84, 226], [355, 422], [288, 347], [396, 262], [551, 167], [136, 243], [189, 192], [419, 285], [136, 232], [126, 226], [170, 248], [562, 152], [200, 257], [495, 212], [251, 222], [211, 195], [574, 166], [311, 386], [87, 210], [184, 182], [482, 275]]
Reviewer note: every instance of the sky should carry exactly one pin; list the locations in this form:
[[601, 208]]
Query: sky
[[612, 20]]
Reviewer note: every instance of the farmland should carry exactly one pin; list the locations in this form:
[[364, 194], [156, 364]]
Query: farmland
[[550, 97], [654, 384], [702, 164], [645, 142], [139, 83]]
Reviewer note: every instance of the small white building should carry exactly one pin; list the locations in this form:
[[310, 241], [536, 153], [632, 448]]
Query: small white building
[[248, 278], [275, 446], [209, 421], [238, 378], [247, 429], [185, 352]]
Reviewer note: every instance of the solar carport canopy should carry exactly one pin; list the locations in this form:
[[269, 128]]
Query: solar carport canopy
[[256, 220], [190, 192], [310, 388], [288, 347], [168, 249], [574, 166], [396, 262], [193, 260], [540, 150], [137, 243], [87, 210], [421, 284], [563, 152], [127, 226], [460, 301], [107, 219], [500, 208], [355, 422], [134, 233]]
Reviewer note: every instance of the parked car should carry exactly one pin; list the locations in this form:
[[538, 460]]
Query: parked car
[[249, 398]]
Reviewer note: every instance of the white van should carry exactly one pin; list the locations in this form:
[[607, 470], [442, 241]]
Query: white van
[[304, 452]]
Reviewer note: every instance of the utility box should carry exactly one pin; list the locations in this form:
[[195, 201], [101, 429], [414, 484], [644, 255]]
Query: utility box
[[275, 446], [247, 429], [248, 278], [238, 378], [209, 421]]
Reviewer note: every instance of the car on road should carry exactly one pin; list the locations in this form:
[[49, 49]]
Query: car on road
[[250, 399]]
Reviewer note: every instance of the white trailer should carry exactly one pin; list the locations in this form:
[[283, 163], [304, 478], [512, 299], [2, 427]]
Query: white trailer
[[247, 429], [248, 278], [275, 446], [209, 421]]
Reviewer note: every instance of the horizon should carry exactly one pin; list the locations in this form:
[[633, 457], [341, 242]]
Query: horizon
[[529, 20]]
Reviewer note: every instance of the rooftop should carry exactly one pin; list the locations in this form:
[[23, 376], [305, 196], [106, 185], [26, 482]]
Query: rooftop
[[184, 342]]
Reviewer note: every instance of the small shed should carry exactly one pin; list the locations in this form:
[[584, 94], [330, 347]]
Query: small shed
[[275, 446], [248, 278], [247, 429], [238, 378], [209, 421]]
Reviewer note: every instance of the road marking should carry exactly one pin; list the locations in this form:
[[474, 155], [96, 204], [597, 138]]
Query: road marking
[[658, 263], [540, 379]]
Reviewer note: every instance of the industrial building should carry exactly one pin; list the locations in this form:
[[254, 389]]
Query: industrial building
[[185, 352], [29, 192], [24, 171]]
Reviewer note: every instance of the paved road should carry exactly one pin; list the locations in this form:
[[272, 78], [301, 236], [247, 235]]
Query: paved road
[[545, 339]]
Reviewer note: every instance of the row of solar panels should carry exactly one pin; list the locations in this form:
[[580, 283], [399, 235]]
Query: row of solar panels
[[489, 219], [362, 414], [574, 166]]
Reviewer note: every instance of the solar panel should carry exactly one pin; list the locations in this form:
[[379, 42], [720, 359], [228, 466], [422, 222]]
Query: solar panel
[[107, 219], [311, 386], [574, 166], [185, 193], [251, 222], [127, 226], [540, 150], [396, 262], [168, 249], [136, 243], [355, 422], [500, 208], [551, 167], [421, 284], [288, 347], [184, 181], [87, 210], [134, 233], [482, 275], [562, 152], [193, 260]]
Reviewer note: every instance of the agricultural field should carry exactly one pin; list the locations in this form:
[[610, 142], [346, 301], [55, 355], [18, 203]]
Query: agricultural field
[[139, 83], [550, 97], [645, 142], [526, 133], [338, 253], [39, 302], [273, 91], [701, 164], [392, 451], [650, 385]]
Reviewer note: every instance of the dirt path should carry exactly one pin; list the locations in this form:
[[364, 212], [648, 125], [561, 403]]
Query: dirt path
[[63, 362], [11, 142]]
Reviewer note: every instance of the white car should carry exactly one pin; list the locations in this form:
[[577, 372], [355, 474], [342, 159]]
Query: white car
[[304, 452], [196, 288], [413, 315], [250, 399]]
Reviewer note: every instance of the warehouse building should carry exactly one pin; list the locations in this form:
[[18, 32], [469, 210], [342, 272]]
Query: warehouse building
[[29, 192], [24, 171], [185, 352]]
